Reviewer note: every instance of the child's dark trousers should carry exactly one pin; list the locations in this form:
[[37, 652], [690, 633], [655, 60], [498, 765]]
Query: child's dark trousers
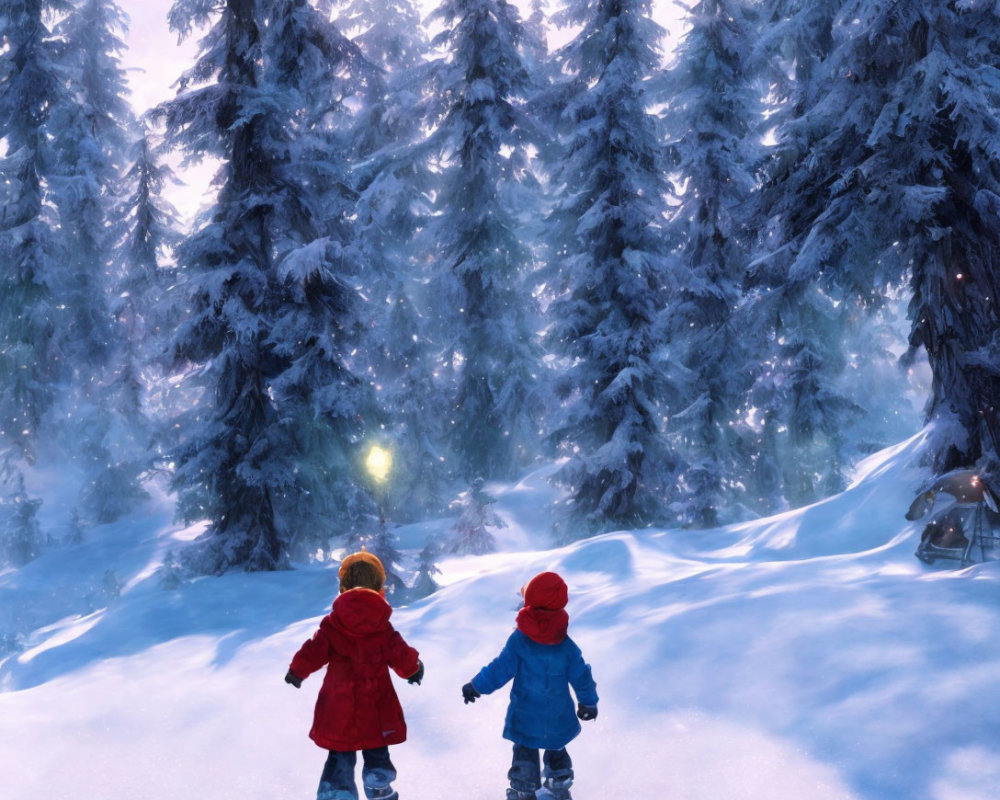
[[377, 775], [526, 776]]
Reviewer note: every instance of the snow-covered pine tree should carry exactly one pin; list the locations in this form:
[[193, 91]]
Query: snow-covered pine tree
[[934, 145], [74, 534], [612, 257], [169, 574], [31, 256], [886, 174], [272, 316], [481, 304], [711, 120], [235, 458], [149, 229], [391, 36], [383, 544], [424, 584], [797, 322], [145, 309], [389, 173], [30, 87], [801, 413], [91, 138], [471, 534], [536, 24], [148, 232], [795, 37], [21, 538], [311, 73], [894, 396]]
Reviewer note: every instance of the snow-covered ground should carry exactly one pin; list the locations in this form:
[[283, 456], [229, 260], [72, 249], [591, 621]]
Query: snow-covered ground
[[808, 655]]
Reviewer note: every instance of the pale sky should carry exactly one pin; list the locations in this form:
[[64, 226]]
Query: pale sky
[[155, 59], [154, 49]]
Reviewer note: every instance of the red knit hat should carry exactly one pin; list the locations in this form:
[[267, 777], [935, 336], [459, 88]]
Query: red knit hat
[[544, 618], [546, 590]]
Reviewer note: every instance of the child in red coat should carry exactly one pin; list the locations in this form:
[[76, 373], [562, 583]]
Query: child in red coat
[[357, 707]]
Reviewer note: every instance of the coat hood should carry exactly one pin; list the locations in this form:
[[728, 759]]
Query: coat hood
[[544, 618], [360, 612]]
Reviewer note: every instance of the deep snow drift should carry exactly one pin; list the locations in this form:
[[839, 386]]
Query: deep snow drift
[[805, 655]]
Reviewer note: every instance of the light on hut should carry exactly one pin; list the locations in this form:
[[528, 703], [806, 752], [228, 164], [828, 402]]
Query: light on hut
[[378, 462]]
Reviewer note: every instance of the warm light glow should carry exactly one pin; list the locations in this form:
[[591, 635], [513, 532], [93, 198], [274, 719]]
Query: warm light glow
[[378, 463]]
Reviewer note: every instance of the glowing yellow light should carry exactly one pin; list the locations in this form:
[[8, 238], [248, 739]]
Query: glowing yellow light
[[378, 462]]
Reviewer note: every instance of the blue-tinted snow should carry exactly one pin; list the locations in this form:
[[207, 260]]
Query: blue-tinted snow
[[806, 655]]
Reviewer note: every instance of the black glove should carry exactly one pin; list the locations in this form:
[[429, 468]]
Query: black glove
[[293, 679], [417, 676], [469, 693], [586, 712]]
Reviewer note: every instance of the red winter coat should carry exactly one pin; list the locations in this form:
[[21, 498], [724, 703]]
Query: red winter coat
[[357, 707]]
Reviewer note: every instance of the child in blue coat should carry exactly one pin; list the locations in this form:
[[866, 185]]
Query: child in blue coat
[[544, 662]]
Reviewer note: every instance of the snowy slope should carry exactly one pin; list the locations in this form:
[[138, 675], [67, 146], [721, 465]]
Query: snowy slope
[[806, 655]]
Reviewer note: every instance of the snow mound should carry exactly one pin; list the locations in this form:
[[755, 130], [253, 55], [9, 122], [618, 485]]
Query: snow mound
[[808, 654]]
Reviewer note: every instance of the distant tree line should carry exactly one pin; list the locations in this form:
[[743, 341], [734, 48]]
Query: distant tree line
[[680, 275]]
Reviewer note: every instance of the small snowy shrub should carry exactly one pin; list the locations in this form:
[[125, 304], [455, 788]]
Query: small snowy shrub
[[471, 534], [169, 573], [424, 583], [20, 535]]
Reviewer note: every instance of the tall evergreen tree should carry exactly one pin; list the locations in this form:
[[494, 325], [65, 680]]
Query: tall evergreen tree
[[270, 313], [21, 538], [888, 174], [391, 178], [470, 532], [312, 73], [232, 462], [30, 87], [31, 369], [91, 137], [149, 303], [710, 122], [892, 390], [424, 584], [609, 229], [801, 389], [391, 36], [383, 544], [803, 416], [148, 231], [795, 37], [146, 228], [482, 308]]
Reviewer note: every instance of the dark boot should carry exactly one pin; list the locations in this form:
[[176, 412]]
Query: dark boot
[[556, 786], [378, 785], [525, 774], [337, 782], [327, 793], [377, 775], [557, 776]]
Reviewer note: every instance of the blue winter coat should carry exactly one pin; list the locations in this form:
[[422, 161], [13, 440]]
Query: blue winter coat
[[541, 713]]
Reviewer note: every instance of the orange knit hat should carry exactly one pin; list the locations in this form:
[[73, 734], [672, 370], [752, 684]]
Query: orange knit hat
[[363, 556]]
